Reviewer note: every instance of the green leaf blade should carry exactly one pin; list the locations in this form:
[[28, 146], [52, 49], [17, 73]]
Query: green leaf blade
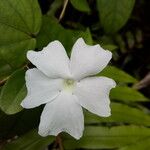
[[127, 94], [133, 116], [117, 74], [114, 13], [52, 30], [29, 141], [13, 93], [81, 5], [20, 21], [107, 138], [141, 145]]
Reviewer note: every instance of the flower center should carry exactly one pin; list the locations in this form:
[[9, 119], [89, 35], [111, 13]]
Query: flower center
[[69, 85]]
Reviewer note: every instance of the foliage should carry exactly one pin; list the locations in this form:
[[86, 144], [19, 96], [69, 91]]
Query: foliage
[[10, 99], [23, 26], [114, 14]]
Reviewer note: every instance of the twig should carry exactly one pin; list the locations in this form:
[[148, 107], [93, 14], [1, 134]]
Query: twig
[[63, 10], [143, 83]]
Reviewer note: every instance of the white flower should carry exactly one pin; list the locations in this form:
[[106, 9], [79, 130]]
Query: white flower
[[64, 86]]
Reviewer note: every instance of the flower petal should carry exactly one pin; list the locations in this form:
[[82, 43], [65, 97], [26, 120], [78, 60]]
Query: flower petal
[[93, 94], [62, 114], [52, 60], [41, 89], [88, 60]]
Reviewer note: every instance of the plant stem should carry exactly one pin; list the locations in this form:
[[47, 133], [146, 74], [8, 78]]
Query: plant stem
[[63, 10]]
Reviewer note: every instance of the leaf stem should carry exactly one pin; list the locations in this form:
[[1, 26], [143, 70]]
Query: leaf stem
[[63, 10]]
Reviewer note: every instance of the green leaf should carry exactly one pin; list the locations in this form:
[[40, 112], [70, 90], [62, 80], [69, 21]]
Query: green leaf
[[114, 13], [20, 22], [110, 47], [13, 93], [52, 30], [127, 94], [117, 74], [132, 116], [140, 145], [104, 137], [81, 5], [29, 141], [86, 35], [5, 69]]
